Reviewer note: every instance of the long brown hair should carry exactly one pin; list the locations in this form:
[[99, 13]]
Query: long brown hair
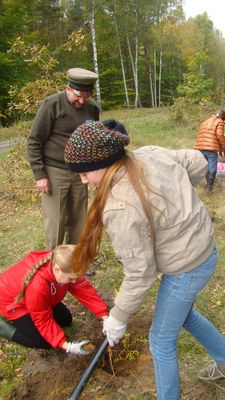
[[61, 255], [90, 239]]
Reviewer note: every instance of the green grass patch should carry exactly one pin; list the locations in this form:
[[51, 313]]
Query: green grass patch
[[10, 367], [21, 231]]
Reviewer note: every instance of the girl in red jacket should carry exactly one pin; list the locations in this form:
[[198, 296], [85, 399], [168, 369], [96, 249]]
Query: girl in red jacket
[[31, 294]]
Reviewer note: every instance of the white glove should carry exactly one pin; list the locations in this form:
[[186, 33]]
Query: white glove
[[114, 329], [76, 348]]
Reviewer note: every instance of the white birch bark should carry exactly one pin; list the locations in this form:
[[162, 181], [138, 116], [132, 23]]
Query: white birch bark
[[136, 70], [155, 76], [95, 54], [131, 59], [151, 85], [121, 59], [134, 66], [160, 78]]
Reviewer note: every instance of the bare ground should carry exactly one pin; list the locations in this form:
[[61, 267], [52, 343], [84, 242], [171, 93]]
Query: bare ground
[[125, 372], [53, 374]]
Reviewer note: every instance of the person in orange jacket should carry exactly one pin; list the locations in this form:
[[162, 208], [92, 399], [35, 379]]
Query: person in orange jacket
[[31, 294], [211, 141]]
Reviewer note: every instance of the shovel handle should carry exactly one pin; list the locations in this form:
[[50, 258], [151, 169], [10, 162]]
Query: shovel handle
[[89, 370]]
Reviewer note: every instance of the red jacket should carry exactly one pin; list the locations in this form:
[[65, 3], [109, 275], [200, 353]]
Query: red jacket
[[42, 294]]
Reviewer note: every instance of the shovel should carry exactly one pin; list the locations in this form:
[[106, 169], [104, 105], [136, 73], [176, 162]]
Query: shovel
[[89, 370]]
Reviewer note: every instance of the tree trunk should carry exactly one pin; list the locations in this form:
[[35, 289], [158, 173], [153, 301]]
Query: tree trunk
[[95, 54], [136, 71], [121, 60], [149, 71], [155, 78], [160, 77], [137, 97], [151, 85], [134, 66], [131, 59]]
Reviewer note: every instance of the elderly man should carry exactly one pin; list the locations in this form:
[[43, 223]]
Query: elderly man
[[64, 197]]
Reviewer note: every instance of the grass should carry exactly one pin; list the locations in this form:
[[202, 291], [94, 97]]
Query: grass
[[15, 132], [22, 231], [14, 357]]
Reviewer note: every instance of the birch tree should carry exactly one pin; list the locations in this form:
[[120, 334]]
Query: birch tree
[[94, 45], [132, 39], [121, 55]]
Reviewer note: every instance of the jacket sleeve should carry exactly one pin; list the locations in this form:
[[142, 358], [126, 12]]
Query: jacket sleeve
[[87, 295], [40, 131], [131, 240], [194, 163], [220, 135], [37, 297]]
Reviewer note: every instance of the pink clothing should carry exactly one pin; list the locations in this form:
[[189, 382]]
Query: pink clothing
[[221, 166]]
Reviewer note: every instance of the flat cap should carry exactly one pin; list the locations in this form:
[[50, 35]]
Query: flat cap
[[81, 79]]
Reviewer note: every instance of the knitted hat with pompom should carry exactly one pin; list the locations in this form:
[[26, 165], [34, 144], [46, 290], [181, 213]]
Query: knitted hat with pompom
[[92, 146]]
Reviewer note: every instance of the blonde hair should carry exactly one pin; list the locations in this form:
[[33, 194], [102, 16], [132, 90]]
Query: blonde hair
[[61, 255], [90, 239]]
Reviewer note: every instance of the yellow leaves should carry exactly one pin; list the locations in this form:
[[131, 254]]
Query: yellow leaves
[[18, 372], [218, 297], [218, 303], [75, 40]]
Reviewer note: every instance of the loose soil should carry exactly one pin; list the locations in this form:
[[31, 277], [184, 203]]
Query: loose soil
[[53, 374], [124, 373]]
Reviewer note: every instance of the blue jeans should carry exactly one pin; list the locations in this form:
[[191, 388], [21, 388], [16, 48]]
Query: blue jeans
[[174, 310], [212, 158]]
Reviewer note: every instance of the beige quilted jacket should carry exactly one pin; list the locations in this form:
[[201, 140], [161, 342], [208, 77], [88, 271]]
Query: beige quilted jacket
[[184, 233]]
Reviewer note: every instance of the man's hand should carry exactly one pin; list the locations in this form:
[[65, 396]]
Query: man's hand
[[43, 185], [76, 348], [114, 329]]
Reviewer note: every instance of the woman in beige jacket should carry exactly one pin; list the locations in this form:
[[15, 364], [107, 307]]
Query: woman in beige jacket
[[147, 203]]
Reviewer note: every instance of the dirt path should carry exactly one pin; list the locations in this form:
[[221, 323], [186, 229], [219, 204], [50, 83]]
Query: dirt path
[[5, 145]]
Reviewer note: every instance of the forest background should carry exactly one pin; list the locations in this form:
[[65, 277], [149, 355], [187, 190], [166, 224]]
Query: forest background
[[145, 52]]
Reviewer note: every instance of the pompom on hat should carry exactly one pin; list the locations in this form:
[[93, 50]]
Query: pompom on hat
[[92, 146], [115, 125]]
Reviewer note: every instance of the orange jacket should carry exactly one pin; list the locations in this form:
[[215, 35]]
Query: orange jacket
[[211, 135]]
